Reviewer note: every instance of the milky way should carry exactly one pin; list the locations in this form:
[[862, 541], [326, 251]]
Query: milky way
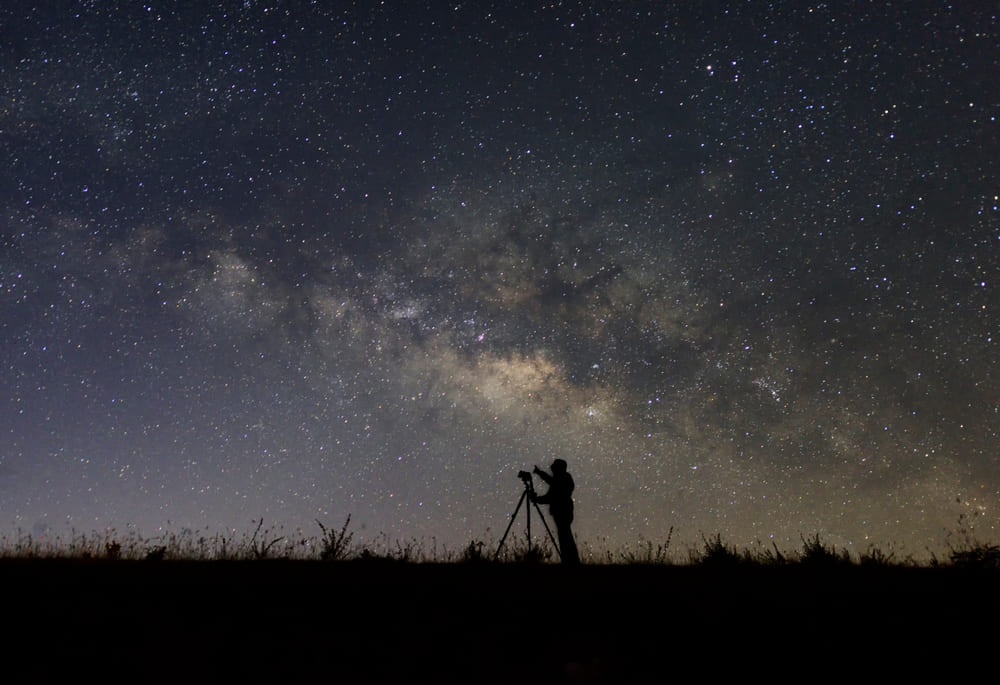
[[735, 262]]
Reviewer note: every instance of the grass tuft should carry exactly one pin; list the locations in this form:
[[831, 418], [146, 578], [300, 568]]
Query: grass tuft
[[717, 554], [335, 545], [817, 555]]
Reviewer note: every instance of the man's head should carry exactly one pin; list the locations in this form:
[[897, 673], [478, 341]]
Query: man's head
[[559, 466]]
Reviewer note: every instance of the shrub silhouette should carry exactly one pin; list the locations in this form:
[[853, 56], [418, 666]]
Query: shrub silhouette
[[968, 551], [876, 557], [717, 554], [335, 545], [474, 554], [818, 555], [980, 555]]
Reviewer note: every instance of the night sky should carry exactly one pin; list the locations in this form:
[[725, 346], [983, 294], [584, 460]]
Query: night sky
[[736, 262]]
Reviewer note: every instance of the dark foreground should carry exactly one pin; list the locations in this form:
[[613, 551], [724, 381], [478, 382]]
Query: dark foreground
[[384, 622]]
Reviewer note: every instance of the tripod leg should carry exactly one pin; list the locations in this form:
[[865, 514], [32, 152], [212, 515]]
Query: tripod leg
[[548, 530], [513, 516]]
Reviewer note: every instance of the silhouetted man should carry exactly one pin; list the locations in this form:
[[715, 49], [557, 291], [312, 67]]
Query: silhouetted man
[[560, 501]]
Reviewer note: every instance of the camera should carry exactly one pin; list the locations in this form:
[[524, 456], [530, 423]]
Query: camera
[[525, 476]]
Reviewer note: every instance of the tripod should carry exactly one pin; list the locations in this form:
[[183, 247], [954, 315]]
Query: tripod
[[529, 495]]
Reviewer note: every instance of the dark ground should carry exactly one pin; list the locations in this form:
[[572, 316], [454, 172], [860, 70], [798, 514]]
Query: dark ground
[[275, 621]]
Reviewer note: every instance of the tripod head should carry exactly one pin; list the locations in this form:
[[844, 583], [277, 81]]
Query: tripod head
[[525, 476]]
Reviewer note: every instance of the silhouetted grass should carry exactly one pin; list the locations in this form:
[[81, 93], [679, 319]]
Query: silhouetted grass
[[335, 545], [718, 554], [876, 556], [818, 555], [645, 553], [966, 550]]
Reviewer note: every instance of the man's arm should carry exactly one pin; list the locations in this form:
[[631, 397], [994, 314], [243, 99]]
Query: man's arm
[[544, 476]]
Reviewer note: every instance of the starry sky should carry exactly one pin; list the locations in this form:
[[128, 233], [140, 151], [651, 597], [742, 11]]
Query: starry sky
[[736, 262]]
